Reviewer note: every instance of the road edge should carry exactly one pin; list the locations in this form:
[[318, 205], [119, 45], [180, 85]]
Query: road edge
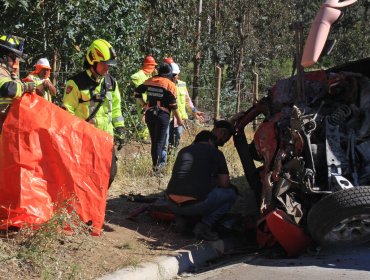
[[184, 260]]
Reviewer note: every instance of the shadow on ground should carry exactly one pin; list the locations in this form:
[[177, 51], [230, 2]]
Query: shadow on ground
[[355, 258], [158, 235], [161, 235]]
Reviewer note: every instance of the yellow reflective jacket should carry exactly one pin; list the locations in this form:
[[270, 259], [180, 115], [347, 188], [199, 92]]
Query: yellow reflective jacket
[[139, 78], [38, 81], [182, 93], [82, 94], [10, 87]]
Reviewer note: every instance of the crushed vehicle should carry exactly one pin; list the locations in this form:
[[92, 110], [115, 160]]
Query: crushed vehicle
[[314, 146]]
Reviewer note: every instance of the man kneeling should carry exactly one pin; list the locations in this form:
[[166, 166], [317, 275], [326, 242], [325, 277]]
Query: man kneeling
[[200, 185]]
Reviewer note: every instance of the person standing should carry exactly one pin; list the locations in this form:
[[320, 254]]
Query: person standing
[[161, 101], [40, 76], [146, 72], [11, 52], [93, 95], [184, 103], [200, 185]]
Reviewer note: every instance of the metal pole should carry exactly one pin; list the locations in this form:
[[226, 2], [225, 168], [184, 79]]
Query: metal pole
[[255, 95], [197, 55], [217, 93], [298, 28]]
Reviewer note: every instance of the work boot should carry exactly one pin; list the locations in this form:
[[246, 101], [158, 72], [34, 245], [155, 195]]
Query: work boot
[[204, 232], [180, 224], [158, 171]]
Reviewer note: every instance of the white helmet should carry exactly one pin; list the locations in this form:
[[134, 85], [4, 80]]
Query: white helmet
[[44, 63], [175, 68]]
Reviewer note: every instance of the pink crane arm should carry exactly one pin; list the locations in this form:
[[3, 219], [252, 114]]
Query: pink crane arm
[[327, 15]]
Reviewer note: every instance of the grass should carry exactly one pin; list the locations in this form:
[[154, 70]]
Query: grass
[[42, 251], [127, 246]]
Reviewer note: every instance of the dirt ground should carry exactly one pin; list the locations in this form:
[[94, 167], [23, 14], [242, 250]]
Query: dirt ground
[[124, 242]]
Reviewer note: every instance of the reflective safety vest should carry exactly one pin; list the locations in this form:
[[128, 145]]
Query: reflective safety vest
[[139, 78], [38, 81], [181, 99], [83, 94], [10, 87]]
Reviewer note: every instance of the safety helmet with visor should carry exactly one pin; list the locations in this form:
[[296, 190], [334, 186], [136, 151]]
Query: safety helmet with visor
[[101, 51], [12, 45]]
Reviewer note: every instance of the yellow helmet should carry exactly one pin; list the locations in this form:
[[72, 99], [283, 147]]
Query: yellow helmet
[[100, 50], [13, 44]]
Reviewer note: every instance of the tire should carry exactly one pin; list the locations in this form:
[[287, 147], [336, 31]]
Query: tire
[[341, 218]]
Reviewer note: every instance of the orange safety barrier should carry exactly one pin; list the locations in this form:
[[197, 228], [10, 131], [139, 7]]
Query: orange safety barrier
[[48, 157]]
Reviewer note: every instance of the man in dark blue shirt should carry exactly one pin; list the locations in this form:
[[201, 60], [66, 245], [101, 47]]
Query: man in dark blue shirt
[[200, 184]]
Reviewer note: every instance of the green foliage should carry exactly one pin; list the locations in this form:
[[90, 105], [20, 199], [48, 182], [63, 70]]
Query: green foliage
[[240, 35]]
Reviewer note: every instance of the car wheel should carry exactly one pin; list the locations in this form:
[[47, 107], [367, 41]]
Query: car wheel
[[341, 218]]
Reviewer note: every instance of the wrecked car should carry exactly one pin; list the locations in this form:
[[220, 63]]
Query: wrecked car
[[314, 148]]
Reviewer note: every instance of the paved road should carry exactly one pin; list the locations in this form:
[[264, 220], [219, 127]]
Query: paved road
[[349, 264]]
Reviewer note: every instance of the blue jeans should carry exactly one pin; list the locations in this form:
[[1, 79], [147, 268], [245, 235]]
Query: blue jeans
[[157, 122], [216, 204], [163, 160]]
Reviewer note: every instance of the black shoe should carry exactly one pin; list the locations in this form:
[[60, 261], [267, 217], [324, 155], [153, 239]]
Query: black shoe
[[204, 232], [181, 224]]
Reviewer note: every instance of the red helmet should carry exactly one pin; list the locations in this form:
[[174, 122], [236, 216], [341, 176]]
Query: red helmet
[[149, 60], [168, 60]]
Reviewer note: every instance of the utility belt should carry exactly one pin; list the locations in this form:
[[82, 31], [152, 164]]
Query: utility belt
[[157, 108]]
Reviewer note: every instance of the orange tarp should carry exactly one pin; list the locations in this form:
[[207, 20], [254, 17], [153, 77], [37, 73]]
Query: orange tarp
[[48, 157]]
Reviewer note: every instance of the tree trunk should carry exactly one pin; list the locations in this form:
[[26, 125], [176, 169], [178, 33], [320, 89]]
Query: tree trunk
[[214, 32], [55, 58], [243, 34], [197, 56]]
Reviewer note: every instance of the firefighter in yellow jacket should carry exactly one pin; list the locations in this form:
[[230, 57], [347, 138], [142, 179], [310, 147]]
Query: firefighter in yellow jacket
[[11, 51], [93, 94]]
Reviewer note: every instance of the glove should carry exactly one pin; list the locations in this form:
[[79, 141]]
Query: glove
[[119, 137], [39, 90], [28, 87]]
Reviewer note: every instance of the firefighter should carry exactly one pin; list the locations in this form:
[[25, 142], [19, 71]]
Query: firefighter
[[161, 101], [11, 52], [93, 95], [146, 72], [40, 76], [184, 103]]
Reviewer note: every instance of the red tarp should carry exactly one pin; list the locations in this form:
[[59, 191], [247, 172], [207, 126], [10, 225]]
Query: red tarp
[[48, 157]]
